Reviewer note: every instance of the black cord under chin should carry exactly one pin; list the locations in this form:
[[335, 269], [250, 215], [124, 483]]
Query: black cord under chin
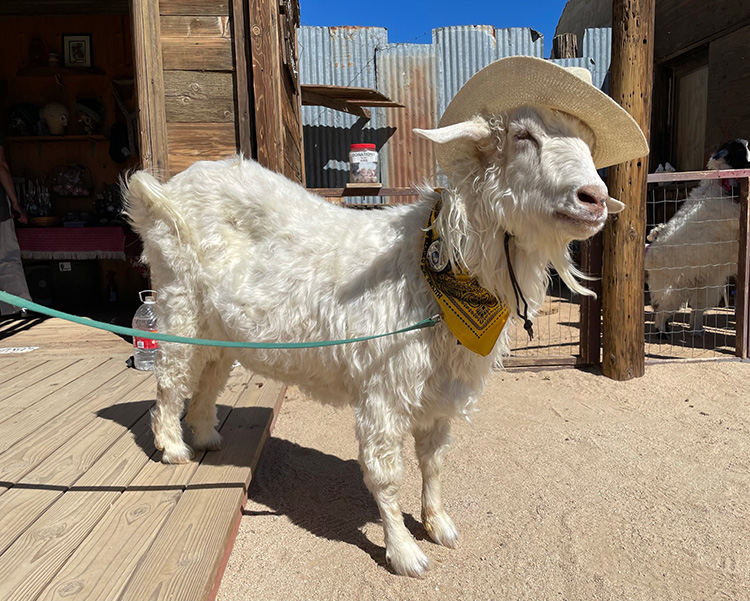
[[527, 325]]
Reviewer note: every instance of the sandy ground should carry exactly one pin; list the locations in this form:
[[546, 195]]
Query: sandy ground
[[566, 485]]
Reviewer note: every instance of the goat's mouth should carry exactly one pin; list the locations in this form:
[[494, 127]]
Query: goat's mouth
[[586, 220]]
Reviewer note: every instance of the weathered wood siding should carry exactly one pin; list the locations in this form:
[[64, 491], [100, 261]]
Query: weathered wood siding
[[227, 87], [199, 74], [273, 35]]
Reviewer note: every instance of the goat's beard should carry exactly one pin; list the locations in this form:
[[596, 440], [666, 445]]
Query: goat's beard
[[474, 233]]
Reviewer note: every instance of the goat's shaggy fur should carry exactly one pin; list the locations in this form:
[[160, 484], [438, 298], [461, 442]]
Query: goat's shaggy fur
[[692, 256], [240, 253]]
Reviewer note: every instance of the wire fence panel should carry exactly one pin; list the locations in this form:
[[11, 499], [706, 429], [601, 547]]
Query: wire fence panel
[[556, 330], [692, 249]]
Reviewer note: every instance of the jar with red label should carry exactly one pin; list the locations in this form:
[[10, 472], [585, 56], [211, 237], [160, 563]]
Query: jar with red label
[[363, 164]]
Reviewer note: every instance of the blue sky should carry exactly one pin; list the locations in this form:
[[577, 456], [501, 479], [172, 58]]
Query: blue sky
[[413, 20]]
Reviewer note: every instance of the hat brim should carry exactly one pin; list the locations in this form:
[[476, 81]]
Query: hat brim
[[517, 81]]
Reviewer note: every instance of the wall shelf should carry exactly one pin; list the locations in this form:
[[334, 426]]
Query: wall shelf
[[45, 71], [45, 139]]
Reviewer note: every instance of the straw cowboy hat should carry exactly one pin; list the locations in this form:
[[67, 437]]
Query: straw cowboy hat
[[517, 81]]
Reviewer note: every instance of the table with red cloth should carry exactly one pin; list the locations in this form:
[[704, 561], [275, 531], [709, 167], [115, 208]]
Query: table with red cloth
[[77, 243]]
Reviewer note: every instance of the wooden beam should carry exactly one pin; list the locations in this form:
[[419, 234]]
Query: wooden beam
[[742, 301], [242, 79], [149, 78], [565, 46], [625, 234], [264, 42]]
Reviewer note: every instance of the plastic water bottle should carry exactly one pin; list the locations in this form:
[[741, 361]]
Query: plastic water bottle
[[145, 349]]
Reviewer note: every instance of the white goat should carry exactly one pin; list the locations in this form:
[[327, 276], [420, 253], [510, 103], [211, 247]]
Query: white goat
[[692, 256], [240, 253]]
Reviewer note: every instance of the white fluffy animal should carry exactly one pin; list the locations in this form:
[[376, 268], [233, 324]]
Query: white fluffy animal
[[240, 253], [693, 255]]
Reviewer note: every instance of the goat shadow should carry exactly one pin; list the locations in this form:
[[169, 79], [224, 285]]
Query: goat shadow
[[321, 493]]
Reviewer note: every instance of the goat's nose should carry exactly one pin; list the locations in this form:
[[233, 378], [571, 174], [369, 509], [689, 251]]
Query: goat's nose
[[592, 195]]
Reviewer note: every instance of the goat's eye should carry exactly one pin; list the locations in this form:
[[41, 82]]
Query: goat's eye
[[524, 135]]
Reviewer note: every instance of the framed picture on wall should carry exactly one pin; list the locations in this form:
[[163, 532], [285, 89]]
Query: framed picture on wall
[[77, 50]]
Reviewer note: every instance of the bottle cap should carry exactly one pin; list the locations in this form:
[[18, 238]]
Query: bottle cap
[[149, 298], [363, 147]]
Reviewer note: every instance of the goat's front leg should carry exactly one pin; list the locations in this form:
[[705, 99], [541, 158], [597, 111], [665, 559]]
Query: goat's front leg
[[431, 444], [380, 457], [201, 415]]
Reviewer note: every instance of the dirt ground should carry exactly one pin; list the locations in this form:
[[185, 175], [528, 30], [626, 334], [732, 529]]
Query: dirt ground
[[566, 485]]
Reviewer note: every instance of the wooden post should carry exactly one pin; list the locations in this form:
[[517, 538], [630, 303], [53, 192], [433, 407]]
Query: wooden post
[[149, 80], [565, 46], [742, 301], [631, 75]]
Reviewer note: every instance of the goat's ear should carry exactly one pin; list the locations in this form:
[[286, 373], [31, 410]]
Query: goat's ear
[[474, 131], [614, 205]]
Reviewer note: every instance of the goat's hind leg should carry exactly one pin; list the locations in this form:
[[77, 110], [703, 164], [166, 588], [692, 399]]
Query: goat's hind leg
[[431, 445], [380, 456], [201, 415], [176, 381]]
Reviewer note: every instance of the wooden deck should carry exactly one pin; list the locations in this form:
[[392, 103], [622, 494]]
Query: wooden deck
[[87, 510]]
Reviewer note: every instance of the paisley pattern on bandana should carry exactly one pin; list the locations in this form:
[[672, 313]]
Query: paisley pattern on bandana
[[474, 315]]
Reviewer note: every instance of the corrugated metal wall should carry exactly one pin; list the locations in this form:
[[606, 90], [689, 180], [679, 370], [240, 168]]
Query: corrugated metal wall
[[423, 77]]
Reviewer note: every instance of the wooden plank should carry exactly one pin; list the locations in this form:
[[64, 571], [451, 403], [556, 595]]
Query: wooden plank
[[10, 370], [191, 142], [193, 7], [565, 46], [266, 63], [85, 441], [153, 145], [198, 97], [22, 423], [136, 517], [185, 558], [196, 54], [102, 565], [245, 120], [312, 99], [742, 301], [20, 508], [195, 27], [20, 393], [687, 176], [623, 341], [37, 555], [22, 505]]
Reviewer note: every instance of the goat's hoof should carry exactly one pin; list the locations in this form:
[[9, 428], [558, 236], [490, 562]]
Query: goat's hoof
[[211, 442], [177, 454], [441, 528], [408, 560]]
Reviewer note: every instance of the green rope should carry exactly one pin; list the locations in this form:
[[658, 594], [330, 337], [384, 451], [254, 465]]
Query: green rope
[[32, 306]]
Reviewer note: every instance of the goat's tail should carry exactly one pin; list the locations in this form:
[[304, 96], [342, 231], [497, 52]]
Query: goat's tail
[[147, 204]]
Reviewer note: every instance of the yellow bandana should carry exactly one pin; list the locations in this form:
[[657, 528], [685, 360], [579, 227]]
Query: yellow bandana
[[474, 315]]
